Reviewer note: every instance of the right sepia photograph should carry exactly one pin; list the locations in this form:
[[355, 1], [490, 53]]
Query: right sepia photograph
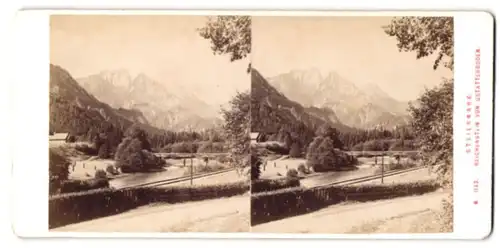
[[352, 124]]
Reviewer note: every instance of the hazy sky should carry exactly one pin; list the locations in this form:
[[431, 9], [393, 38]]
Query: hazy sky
[[166, 48], [355, 47]]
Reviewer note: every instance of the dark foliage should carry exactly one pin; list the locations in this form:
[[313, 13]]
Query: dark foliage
[[275, 205], [70, 186], [134, 153], [77, 207], [295, 151], [263, 185], [256, 164], [58, 170], [292, 173]]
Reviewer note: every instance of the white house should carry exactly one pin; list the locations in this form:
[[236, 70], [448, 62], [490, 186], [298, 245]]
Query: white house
[[58, 138]]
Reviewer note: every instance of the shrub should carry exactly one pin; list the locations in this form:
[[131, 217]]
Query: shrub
[[358, 147], [70, 186], [222, 159], [414, 156], [302, 169], [100, 174], [343, 159], [58, 169], [186, 147], [86, 149], [82, 206], [130, 157], [446, 214], [111, 170], [322, 156], [274, 205], [255, 169], [277, 148], [402, 145], [71, 139], [292, 173], [203, 169], [209, 147], [263, 185], [167, 148]]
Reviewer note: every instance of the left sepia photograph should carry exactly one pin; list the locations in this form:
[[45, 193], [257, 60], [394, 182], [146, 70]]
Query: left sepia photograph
[[149, 123]]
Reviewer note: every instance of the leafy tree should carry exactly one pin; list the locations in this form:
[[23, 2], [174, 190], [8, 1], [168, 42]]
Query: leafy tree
[[229, 35], [232, 35], [433, 122], [132, 154], [432, 115], [326, 155], [321, 154], [237, 128], [136, 132], [332, 133], [255, 170], [425, 36], [58, 169], [295, 150], [104, 151]]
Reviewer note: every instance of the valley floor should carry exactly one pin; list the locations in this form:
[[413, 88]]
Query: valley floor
[[277, 168]]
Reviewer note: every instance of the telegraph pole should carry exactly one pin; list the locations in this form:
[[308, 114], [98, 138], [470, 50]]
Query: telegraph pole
[[191, 167], [383, 168]]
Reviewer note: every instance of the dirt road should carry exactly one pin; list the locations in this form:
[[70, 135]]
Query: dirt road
[[219, 215], [407, 214]]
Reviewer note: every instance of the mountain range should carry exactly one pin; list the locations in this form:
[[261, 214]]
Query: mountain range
[[74, 110], [366, 107], [271, 109], [163, 106]]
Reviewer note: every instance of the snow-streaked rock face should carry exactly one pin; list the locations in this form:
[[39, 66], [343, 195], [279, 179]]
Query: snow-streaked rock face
[[364, 106], [167, 106]]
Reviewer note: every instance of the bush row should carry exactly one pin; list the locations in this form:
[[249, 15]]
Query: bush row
[[263, 185], [197, 146], [270, 206], [77, 207], [70, 186], [385, 145], [86, 149]]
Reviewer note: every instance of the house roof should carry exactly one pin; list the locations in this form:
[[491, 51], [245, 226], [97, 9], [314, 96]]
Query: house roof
[[58, 136], [254, 135]]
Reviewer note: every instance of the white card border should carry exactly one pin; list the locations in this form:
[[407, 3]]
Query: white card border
[[31, 49]]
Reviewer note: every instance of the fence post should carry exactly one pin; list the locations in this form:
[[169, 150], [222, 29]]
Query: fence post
[[383, 169], [191, 171]]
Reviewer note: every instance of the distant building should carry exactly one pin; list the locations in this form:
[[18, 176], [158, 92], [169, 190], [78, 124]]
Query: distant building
[[253, 137], [256, 137], [58, 138]]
